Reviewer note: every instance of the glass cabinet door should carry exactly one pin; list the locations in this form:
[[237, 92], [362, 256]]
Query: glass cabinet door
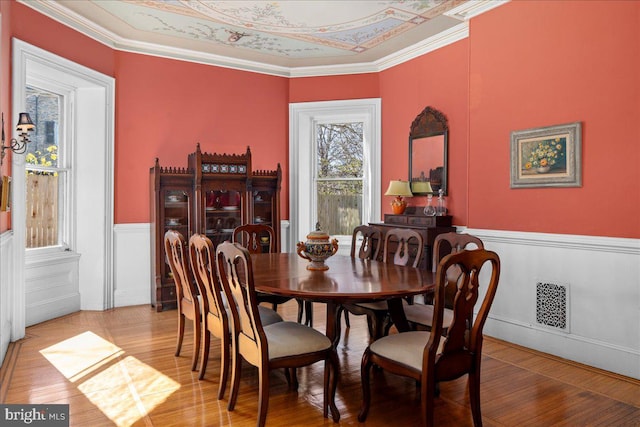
[[223, 213], [175, 216], [263, 208]]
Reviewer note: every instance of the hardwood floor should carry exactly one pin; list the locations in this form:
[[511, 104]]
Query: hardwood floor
[[118, 368]]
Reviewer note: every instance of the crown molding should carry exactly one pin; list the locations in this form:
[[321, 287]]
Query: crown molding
[[61, 14]]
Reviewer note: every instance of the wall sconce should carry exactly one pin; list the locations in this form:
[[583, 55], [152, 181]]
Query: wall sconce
[[399, 189], [24, 125]]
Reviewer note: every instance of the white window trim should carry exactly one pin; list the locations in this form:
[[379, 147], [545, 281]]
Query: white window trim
[[302, 120], [97, 124], [66, 231]]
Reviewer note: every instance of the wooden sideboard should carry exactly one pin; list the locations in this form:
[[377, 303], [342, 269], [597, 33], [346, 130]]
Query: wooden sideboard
[[428, 226]]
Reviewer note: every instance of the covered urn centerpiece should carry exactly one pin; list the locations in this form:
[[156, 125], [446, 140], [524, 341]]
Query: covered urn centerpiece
[[317, 249]]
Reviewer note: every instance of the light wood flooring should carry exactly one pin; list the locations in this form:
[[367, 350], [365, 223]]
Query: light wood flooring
[[118, 368]]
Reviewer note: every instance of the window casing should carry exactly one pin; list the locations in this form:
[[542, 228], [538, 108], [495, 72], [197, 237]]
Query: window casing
[[47, 169]]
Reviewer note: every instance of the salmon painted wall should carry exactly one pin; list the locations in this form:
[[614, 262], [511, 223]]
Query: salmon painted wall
[[334, 88], [438, 79], [165, 107], [541, 63], [5, 94]]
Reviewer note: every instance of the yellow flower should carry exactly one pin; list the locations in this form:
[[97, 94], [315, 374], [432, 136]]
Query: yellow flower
[[527, 165]]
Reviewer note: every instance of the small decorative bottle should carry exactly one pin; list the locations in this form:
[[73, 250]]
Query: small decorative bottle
[[429, 210], [441, 209]]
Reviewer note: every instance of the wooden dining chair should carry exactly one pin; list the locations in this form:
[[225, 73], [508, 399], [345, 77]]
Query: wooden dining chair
[[366, 241], [433, 356], [400, 247], [186, 293], [421, 315], [251, 237], [215, 315], [288, 345]]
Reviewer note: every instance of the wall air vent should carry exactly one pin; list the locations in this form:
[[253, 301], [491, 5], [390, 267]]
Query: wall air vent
[[552, 305]]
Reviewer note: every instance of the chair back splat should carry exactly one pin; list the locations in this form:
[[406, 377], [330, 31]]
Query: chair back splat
[[439, 355], [371, 243], [404, 240]]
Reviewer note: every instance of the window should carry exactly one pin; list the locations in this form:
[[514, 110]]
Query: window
[[46, 171], [339, 176], [334, 149]]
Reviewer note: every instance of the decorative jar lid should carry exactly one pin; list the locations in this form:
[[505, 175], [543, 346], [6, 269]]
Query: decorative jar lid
[[318, 234]]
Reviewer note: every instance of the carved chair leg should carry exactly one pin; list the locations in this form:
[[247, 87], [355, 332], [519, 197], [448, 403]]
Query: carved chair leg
[[365, 369], [263, 395], [197, 335], [224, 365], [474, 397], [236, 364], [180, 333], [334, 371], [204, 352]]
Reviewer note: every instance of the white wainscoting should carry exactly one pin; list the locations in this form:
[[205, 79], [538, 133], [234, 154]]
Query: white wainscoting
[[132, 264], [6, 278], [51, 286], [602, 274], [603, 305]]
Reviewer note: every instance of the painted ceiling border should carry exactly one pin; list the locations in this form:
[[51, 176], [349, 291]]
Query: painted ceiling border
[[84, 26]]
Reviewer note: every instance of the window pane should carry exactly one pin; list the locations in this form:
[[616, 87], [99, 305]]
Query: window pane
[[339, 206], [42, 205], [44, 109], [45, 176], [339, 150]]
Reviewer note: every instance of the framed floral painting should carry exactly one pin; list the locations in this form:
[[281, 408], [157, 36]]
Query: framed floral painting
[[547, 157]]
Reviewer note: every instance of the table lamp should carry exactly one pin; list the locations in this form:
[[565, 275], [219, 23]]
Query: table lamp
[[399, 189], [421, 187]]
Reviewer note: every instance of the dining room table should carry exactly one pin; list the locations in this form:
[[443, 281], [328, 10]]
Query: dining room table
[[347, 280]]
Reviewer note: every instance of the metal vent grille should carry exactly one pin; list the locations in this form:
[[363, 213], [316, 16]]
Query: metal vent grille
[[551, 305]]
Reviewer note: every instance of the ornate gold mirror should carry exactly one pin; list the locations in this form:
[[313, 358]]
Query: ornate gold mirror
[[428, 141]]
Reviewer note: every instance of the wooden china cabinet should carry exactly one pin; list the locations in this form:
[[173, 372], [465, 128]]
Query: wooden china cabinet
[[215, 194]]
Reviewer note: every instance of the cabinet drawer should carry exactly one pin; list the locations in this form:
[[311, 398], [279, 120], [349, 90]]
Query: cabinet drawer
[[427, 221], [395, 219]]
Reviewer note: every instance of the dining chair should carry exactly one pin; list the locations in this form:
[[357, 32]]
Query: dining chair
[[288, 345], [400, 246], [366, 241], [251, 237], [419, 314], [434, 356], [186, 293], [215, 315]]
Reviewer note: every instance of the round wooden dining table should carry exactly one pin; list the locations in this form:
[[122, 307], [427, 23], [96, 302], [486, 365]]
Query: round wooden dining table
[[348, 280]]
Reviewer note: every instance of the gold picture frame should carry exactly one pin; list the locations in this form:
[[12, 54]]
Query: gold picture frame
[[5, 194], [547, 157]]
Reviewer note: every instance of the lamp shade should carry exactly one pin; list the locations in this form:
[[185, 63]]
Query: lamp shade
[[24, 123], [399, 188], [421, 187]]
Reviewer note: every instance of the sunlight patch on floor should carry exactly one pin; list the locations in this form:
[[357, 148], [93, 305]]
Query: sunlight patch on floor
[[78, 356], [124, 389]]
